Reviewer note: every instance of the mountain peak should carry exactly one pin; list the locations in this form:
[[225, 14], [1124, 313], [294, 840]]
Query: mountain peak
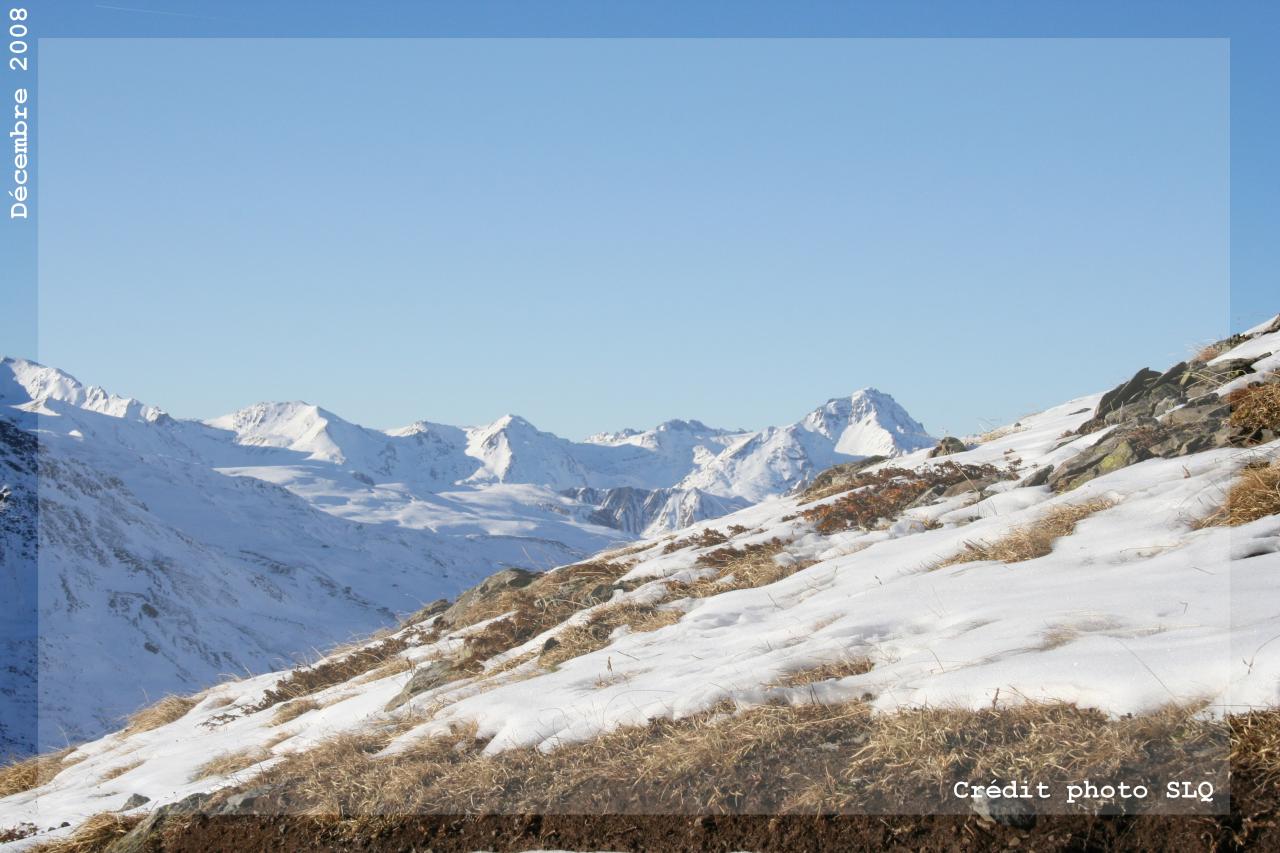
[[33, 384]]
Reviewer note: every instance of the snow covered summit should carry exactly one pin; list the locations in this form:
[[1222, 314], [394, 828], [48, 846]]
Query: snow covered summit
[[171, 551]]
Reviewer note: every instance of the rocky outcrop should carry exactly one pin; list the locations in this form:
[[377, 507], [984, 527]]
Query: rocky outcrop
[[650, 511], [947, 446], [1163, 415], [503, 581], [1151, 394], [425, 678]]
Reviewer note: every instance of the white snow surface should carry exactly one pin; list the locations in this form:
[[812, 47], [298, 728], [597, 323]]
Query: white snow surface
[[172, 552], [1134, 610]]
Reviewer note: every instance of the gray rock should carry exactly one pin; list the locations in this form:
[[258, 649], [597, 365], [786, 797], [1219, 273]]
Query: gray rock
[[1127, 392], [964, 486], [139, 839], [424, 678], [505, 580], [1008, 811], [244, 802], [134, 801], [947, 446], [440, 605], [1038, 477], [928, 497]]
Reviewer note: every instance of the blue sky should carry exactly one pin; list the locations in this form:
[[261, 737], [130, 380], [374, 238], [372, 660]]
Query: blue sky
[[604, 233]]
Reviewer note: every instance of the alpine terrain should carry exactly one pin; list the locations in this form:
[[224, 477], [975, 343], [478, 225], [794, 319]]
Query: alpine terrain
[[162, 555], [1087, 593]]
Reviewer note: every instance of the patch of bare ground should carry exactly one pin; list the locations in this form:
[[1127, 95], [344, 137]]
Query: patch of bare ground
[[829, 671], [882, 495], [738, 568], [595, 632], [552, 596], [708, 538], [533, 609], [1032, 540], [1254, 494], [1166, 743], [336, 669], [772, 759], [17, 832]]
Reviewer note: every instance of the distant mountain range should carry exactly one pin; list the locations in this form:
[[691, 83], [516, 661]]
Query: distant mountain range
[[173, 551]]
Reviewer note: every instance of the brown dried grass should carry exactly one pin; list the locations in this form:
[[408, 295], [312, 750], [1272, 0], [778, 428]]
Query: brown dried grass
[[877, 496], [95, 834], [1033, 540], [1254, 494], [738, 568], [594, 633], [807, 758], [293, 710], [28, 773], [159, 714], [237, 760], [306, 680], [708, 538], [830, 671], [533, 609], [1205, 353], [394, 666], [1257, 406], [119, 770]]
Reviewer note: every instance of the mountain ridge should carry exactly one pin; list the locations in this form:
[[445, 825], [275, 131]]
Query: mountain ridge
[[282, 526]]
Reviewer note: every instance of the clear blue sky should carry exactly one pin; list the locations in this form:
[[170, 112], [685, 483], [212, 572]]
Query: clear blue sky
[[603, 233]]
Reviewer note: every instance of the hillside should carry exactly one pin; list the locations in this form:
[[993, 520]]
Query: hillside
[[172, 553], [1087, 589]]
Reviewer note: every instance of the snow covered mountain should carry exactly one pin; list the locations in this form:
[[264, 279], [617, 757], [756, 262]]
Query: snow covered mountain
[[171, 552], [1114, 553], [776, 459]]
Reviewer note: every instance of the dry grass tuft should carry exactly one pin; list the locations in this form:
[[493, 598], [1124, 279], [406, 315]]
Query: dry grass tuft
[[738, 568], [394, 666], [162, 713], [1034, 540], [306, 680], [1208, 352], [28, 773], [236, 760], [329, 777], [594, 634], [119, 770], [882, 495], [708, 538], [508, 665], [1257, 406], [830, 671], [293, 710], [1254, 494], [95, 834], [531, 610]]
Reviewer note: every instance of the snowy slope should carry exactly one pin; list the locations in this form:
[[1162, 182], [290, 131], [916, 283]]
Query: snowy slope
[[1136, 608], [175, 551], [158, 572]]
